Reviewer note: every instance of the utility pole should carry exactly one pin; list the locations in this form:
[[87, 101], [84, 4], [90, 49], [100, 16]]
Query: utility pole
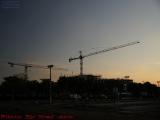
[[81, 63], [50, 83]]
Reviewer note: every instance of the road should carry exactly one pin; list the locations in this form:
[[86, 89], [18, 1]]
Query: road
[[69, 110]]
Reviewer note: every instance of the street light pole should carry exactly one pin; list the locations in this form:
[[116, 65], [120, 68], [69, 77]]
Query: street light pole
[[50, 83]]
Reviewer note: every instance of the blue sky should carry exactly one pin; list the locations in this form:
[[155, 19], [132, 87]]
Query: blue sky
[[50, 31]]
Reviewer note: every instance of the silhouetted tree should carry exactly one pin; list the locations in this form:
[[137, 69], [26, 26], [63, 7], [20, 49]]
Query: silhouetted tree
[[13, 87], [150, 89], [33, 89]]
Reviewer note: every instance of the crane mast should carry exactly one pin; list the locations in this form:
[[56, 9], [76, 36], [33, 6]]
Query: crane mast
[[81, 56]]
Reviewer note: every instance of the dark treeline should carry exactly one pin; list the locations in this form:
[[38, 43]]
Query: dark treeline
[[14, 87], [88, 86], [96, 87]]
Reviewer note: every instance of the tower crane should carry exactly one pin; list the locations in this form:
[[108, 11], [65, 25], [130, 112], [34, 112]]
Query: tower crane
[[26, 66], [81, 56]]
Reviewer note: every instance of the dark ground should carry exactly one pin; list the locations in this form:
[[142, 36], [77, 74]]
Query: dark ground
[[71, 110]]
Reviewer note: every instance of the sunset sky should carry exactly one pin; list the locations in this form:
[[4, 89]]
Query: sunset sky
[[47, 32]]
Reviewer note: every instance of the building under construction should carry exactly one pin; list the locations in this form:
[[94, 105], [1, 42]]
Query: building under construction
[[90, 85]]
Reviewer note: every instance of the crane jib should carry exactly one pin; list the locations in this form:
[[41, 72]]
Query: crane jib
[[113, 48]]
